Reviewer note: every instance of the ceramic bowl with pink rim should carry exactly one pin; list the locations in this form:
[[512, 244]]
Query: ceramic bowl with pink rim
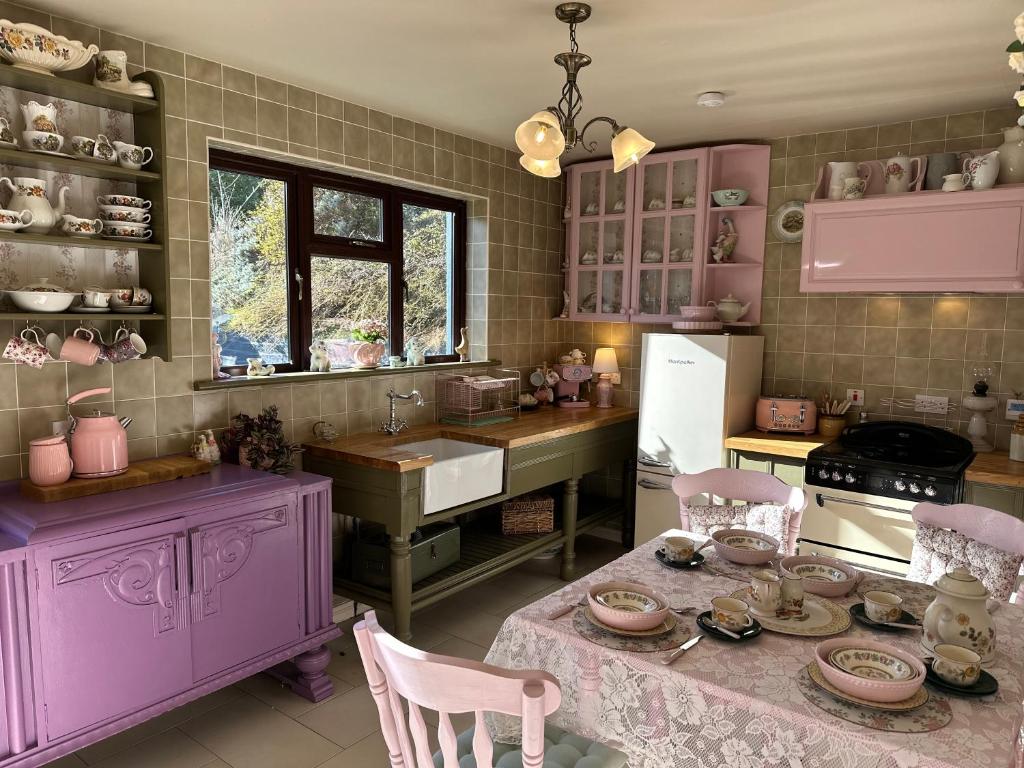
[[739, 545], [624, 605], [823, 576], [867, 687], [696, 314]]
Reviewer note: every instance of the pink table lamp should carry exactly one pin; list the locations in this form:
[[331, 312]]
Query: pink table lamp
[[605, 364]]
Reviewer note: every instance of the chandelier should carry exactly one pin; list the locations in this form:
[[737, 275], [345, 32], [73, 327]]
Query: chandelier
[[545, 136]]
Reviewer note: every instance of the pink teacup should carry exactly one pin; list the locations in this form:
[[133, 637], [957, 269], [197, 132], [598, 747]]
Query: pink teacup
[[76, 349]]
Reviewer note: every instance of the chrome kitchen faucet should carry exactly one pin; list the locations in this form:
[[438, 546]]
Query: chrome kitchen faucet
[[394, 425]]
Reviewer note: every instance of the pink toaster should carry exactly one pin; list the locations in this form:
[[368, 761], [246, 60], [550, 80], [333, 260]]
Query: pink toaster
[[789, 413]]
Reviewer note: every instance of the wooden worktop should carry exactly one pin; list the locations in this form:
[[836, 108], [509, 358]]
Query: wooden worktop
[[375, 449], [776, 443], [995, 468]]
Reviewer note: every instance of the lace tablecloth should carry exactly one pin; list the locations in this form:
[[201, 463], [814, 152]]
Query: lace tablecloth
[[738, 705]]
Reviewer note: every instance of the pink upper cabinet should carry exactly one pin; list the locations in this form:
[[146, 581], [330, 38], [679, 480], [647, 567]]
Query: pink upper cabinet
[[924, 241]]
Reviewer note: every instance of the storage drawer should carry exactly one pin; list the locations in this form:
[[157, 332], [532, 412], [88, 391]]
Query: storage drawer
[[439, 548]]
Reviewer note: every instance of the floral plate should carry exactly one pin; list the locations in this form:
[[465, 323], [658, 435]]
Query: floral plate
[[857, 611], [821, 617], [919, 699]]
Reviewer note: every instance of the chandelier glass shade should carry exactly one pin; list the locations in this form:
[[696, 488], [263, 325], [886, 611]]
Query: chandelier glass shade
[[549, 169]]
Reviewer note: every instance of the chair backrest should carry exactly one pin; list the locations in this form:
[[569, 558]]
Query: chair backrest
[[396, 671], [990, 527], [744, 485]]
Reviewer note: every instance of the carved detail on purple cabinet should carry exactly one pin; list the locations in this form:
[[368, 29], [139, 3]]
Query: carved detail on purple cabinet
[[222, 550], [140, 575]]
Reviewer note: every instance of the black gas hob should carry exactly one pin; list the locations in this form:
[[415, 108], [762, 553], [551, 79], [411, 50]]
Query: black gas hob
[[895, 459]]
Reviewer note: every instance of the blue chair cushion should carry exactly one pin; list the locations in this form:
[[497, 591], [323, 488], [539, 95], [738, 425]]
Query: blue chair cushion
[[562, 749]]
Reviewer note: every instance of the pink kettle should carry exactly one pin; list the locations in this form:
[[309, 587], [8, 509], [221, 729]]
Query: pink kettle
[[99, 443]]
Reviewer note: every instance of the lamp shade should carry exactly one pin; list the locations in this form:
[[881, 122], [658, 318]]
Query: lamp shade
[[549, 169], [605, 361], [628, 147], [541, 137]]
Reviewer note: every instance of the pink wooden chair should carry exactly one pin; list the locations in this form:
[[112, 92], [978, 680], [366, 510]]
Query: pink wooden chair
[[396, 671], [772, 506], [988, 543]]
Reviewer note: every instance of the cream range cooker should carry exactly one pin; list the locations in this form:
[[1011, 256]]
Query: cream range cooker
[[861, 488]]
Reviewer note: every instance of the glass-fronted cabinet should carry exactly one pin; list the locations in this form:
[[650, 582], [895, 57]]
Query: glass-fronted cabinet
[[600, 242]]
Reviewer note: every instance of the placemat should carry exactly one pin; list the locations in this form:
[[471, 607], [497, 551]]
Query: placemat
[[671, 639]]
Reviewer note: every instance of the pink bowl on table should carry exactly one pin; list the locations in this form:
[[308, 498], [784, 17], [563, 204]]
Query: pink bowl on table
[[739, 545], [823, 576], [639, 607], [882, 691], [697, 314]]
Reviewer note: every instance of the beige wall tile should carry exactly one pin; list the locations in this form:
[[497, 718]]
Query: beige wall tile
[[165, 60]]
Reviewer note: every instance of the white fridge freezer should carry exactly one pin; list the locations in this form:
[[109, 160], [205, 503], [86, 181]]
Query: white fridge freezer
[[694, 392]]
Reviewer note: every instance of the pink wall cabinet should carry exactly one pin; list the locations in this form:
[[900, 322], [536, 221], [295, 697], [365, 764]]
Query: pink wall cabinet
[[637, 242], [925, 241], [119, 607]]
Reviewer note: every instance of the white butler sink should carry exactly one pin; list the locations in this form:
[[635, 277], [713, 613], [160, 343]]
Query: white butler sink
[[461, 472]]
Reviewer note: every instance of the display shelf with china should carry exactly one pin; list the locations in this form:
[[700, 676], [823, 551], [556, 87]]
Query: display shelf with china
[[99, 259]]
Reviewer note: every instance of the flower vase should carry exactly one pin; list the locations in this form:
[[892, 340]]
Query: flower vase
[[368, 354], [1011, 156]]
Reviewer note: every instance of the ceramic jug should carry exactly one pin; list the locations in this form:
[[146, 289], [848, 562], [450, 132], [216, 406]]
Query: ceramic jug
[[940, 165], [983, 170], [39, 117], [30, 194], [729, 309], [1011, 156], [901, 173], [840, 171], [959, 616]]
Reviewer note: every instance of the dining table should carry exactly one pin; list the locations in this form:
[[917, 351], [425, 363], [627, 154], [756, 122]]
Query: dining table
[[740, 704]]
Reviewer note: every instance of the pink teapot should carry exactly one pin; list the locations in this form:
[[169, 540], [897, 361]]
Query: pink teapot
[[99, 443]]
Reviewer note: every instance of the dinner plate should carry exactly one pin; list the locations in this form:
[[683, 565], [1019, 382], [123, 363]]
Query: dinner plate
[[822, 618], [666, 626], [919, 699], [986, 685], [704, 622], [857, 611], [694, 562]]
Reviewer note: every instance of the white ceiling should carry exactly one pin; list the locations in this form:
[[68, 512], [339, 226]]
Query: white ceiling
[[479, 67]]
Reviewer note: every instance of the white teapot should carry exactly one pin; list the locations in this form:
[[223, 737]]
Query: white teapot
[[729, 309], [30, 194], [958, 615]]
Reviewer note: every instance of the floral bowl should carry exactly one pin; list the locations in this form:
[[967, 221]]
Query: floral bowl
[[739, 545], [823, 576], [30, 47], [625, 605], [873, 665], [726, 197], [870, 688]]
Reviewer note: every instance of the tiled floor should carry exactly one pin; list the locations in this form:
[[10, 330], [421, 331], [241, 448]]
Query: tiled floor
[[259, 724]]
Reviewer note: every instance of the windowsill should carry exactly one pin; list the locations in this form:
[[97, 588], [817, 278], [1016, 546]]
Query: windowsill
[[301, 377]]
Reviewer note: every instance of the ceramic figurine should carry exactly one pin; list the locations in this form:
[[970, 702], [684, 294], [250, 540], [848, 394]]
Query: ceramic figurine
[[657, 204], [725, 243], [319, 362], [215, 359], [463, 348], [205, 448], [619, 206], [256, 367], [690, 201], [590, 210], [565, 304], [212, 449], [414, 352], [651, 256]]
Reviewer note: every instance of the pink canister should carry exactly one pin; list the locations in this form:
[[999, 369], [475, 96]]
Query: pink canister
[[49, 462]]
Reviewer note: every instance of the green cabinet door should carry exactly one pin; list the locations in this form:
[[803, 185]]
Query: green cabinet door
[[1000, 497], [788, 470]]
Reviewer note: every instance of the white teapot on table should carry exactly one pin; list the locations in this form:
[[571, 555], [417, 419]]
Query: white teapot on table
[[30, 194], [959, 616]]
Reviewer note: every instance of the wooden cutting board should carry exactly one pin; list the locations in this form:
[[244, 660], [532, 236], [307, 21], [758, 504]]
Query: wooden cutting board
[[139, 473]]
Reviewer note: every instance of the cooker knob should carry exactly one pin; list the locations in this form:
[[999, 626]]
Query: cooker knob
[[823, 474], [929, 490], [899, 485], [837, 476], [915, 488], [850, 478]]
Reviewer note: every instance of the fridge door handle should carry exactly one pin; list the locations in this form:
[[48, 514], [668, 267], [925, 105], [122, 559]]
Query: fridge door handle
[[647, 461], [650, 485]]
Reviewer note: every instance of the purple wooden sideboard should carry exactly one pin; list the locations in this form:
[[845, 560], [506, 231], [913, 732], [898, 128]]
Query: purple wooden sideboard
[[119, 607]]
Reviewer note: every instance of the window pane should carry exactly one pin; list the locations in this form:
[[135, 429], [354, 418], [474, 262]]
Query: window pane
[[346, 214], [346, 293], [428, 249], [249, 267]]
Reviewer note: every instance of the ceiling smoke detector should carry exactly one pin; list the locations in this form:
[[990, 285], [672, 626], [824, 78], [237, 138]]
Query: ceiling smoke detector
[[711, 99]]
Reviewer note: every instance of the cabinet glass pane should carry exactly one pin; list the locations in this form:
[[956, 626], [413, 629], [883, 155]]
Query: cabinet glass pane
[[586, 291], [680, 284], [652, 241], [614, 245], [587, 250], [680, 242], [611, 291], [614, 192], [655, 183], [684, 184], [590, 191], [650, 291]]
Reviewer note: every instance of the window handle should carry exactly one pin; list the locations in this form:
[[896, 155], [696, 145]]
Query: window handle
[[298, 279], [405, 289], [362, 243]]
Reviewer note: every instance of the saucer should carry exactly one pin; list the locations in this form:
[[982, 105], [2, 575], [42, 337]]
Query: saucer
[[703, 621], [986, 685], [857, 612], [129, 238], [133, 310], [693, 562], [49, 152]]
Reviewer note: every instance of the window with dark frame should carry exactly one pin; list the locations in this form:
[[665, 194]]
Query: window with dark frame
[[298, 254]]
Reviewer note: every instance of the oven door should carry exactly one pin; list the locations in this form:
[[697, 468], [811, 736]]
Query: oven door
[[876, 532]]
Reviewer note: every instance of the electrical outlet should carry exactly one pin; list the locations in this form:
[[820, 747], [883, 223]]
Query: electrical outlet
[[931, 404], [855, 396]]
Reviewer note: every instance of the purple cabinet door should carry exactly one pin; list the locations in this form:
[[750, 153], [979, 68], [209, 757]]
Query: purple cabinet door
[[245, 588], [113, 624]]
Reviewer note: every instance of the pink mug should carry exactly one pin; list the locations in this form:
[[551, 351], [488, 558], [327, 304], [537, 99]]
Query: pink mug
[[26, 348], [49, 462], [75, 349]]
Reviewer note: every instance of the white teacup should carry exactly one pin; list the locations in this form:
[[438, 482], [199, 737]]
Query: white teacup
[[956, 665], [132, 155], [765, 593], [679, 548], [731, 613], [883, 607], [95, 298]]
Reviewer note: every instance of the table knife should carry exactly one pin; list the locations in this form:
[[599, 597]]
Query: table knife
[[559, 612], [681, 649]]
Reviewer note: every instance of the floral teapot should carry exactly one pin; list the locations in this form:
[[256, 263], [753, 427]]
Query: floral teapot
[[959, 615], [729, 309], [30, 194], [40, 117]]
